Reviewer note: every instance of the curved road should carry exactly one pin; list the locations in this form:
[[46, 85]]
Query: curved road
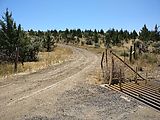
[[22, 95]]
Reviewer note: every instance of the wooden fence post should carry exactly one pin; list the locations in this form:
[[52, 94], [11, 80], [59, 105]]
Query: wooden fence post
[[134, 49], [111, 69], [130, 57], [102, 64]]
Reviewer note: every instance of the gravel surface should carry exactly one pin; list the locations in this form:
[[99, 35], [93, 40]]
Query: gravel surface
[[91, 102]]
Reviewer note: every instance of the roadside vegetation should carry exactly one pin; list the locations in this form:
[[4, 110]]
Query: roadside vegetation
[[45, 59], [22, 51], [19, 47]]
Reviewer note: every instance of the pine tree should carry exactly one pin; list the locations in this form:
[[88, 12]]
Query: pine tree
[[144, 34], [120, 35], [13, 38], [49, 42], [154, 35], [79, 33], [95, 37], [107, 39], [134, 35], [101, 32], [8, 35], [66, 36]]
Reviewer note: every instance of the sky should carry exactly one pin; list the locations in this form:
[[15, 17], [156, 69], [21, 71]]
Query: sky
[[84, 14]]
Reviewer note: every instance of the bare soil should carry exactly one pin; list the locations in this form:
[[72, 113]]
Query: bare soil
[[64, 92]]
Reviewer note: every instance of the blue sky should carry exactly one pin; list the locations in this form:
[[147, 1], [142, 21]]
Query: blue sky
[[83, 14]]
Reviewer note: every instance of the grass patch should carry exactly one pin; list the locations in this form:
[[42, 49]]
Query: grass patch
[[120, 50], [46, 59], [124, 54], [97, 50], [150, 58]]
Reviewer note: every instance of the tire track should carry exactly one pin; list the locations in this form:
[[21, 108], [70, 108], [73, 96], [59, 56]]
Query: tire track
[[30, 85]]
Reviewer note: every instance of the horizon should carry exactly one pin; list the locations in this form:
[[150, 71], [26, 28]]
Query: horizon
[[85, 15]]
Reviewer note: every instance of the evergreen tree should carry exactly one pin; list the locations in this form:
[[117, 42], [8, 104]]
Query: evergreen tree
[[55, 34], [66, 36], [13, 38], [9, 35], [144, 34], [49, 42], [101, 32], [107, 39], [79, 33], [31, 32], [154, 35], [95, 37], [120, 35], [134, 34], [126, 35]]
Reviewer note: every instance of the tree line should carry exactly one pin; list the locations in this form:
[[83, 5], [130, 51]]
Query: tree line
[[13, 39], [111, 36]]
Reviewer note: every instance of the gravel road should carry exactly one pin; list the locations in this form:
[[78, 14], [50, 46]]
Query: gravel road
[[62, 92]]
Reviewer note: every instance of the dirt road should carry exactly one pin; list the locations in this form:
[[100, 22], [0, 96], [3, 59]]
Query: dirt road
[[62, 92], [21, 94]]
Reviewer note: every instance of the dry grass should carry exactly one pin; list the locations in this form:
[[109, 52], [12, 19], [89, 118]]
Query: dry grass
[[148, 62], [120, 50], [95, 77], [93, 49], [46, 59]]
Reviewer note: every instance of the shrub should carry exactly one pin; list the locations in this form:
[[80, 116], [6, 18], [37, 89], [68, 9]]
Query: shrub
[[156, 47]]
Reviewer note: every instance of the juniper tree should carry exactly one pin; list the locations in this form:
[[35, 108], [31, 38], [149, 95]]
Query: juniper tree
[[133, 35], [13, 37], [144, 34], [48, 42]]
